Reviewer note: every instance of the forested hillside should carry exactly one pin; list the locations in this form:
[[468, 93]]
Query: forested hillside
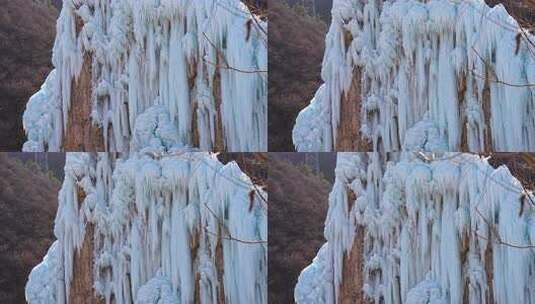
[[296, 45], [27, 30], [28, 203], [297, 211]]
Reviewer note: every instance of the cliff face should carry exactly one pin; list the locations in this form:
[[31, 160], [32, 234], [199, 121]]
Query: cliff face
[[81, 134], [179, 227], [348, 135], [422, 228], [82, 290], [437, 76], [128, 77]]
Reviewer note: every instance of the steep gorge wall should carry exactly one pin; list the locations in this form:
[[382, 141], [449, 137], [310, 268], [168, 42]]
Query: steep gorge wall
[[179, 227], [82, 290], [190, 73], [433, 75], [349, 137], [418, 228]]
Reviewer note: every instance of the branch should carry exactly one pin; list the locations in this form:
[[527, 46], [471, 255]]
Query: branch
[[234, 69], [258, 23], [220, 56], [489, 67], [230, 238], [227, 232], [498, 239]]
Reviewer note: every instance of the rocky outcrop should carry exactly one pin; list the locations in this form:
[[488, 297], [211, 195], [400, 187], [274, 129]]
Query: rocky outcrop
[[349, 137], [351, 287], [82, 290], [81, 134]]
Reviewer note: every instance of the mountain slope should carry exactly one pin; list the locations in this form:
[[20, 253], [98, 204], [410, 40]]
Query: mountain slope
[[296, 44], [297, 210], [26, 39], [28, 202]]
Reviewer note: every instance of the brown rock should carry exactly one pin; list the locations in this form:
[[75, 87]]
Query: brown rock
[[348, 136], [81, 134], [350, 290], [219, 144], [81, 288]]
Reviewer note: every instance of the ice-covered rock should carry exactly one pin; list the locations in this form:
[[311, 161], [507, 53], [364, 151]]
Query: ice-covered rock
[[168, 227], [454, 64], [438, 228], [203, 61]]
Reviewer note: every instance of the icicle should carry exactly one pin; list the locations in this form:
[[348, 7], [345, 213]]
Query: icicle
[[429, 221], [424, 61], [158, 53], [157, 224]]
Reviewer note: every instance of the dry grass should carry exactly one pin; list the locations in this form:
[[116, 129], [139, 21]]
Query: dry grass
[[521, 165], [253, 164]]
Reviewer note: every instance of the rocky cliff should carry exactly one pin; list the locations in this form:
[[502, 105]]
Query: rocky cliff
[[425, 228], [176, 227], [130, 75], [422, 75]]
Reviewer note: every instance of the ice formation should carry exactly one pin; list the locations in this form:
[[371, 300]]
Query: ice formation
[[38, 287], [204, 62], [454, 64], [175, 227], [437, 229]]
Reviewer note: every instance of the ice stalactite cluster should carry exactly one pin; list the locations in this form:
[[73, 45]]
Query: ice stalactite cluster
[[176, 227], [451, 68], [203, 62], [437, 229]]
